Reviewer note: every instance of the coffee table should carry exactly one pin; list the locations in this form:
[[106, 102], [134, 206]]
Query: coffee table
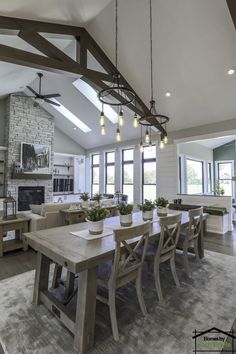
[[19, 225]]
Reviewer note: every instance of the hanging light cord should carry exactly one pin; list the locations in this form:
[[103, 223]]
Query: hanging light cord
[[116, 32], [150, 2]]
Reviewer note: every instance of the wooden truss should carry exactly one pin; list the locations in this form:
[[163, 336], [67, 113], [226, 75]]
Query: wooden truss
[[55, 60]]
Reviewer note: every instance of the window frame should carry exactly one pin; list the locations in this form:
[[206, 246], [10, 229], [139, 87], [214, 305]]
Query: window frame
[[92, 167], [143, 161], [123, 163], [217, 163], [106, 164], [203, 174]]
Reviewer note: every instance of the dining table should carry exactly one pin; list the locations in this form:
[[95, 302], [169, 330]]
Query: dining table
[[81, 257]]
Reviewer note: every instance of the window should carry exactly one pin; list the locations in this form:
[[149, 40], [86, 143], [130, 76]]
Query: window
[[128, 173], [110, 172], [149, 172], [225, 176], [194, 176], [95, 173], [209, 177]]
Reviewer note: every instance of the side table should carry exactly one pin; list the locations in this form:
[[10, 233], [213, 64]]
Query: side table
[[20, 225]]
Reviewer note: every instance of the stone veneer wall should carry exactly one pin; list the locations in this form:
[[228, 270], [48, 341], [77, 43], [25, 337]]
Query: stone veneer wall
[[29, 124]]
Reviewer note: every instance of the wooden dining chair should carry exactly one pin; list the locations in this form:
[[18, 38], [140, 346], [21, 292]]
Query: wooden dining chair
[[166, 249], [126, 267], [190, 238]]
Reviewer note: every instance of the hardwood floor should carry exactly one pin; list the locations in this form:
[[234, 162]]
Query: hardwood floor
[[225, 244]]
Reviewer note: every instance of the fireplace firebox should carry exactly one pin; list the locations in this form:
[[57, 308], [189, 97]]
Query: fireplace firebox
[[29, 195]]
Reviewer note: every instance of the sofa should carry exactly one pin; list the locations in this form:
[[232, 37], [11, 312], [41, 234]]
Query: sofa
[[47, 215]]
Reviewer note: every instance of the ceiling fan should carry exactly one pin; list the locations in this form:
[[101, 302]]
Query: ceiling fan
[[39, 97]]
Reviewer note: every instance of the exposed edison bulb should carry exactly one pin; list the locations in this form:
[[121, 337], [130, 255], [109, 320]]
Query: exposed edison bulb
[[135, 122], [165, 139], [141, 147], [161, 144], [147, 137], [103, 130], [102, 119], [121, 118], [118, 137]]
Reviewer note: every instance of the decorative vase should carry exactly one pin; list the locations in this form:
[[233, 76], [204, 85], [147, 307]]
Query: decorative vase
[[162, 211], [147, 215], [85, 204], [95, 227], [126, 220]]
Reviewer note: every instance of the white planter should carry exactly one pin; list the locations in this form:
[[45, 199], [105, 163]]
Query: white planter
[[126, 220], [162, 211], [85, 204], [148, 215], [95, 227]]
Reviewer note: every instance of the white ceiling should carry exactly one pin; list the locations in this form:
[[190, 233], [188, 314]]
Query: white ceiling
[[216, 142], [193, 47]]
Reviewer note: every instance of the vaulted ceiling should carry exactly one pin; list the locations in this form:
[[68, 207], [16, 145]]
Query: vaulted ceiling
[[194, 44]]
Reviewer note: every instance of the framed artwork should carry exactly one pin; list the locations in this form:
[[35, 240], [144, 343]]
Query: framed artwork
[[35, 158]]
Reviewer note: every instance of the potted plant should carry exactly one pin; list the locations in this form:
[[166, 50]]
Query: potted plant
[[218, 190], [147, 209], [125, 211], [97, 197], [95, 217], [85, 198], [161, 204]]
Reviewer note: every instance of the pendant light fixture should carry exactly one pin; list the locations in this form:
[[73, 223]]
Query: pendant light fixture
[[151, 117], [135, 121], [117, 94], [141, 141], [118, 137]]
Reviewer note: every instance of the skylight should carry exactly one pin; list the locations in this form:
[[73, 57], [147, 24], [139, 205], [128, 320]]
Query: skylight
[[70, 116], [91, 95]]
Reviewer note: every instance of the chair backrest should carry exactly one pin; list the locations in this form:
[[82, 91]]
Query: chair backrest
[[170, 230], [195, 223], [129, 257]]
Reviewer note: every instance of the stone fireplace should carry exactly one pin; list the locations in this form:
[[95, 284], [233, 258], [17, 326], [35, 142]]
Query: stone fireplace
[[28, 123]]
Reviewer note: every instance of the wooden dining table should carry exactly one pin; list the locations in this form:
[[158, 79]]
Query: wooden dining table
[[82, 257]]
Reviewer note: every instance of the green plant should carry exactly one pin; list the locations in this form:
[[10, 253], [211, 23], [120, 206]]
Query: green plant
[[96, 214], [97, 196], [148, 205], [218, 190], [84, 196], [125, 209], [161, 202]]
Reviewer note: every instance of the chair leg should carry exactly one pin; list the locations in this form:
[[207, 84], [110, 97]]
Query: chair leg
[[196, 251], [140, 294], [112, 308], [185, 258], [157, 281], [173, 271]]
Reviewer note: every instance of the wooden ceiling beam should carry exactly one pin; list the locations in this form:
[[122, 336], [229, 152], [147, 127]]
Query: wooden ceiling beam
[[44, 46], [22, 57], [232, 9]]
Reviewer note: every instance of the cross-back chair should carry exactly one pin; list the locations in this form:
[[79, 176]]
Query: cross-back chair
[[126, 267], [166, 249], [190, 238]]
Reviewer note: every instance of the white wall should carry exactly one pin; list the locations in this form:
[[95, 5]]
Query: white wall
[[196, 150], [65, 145]]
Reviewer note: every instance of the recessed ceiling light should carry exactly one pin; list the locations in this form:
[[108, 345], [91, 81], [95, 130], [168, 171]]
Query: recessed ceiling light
[[230, 71], [168, 94], [75, 128]]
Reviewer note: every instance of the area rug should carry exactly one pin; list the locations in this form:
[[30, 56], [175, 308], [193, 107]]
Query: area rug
[[205, 301]]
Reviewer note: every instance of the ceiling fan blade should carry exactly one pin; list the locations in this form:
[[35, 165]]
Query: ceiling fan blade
[[34, 92], [51, 102], [26, 96], [52, 95]]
